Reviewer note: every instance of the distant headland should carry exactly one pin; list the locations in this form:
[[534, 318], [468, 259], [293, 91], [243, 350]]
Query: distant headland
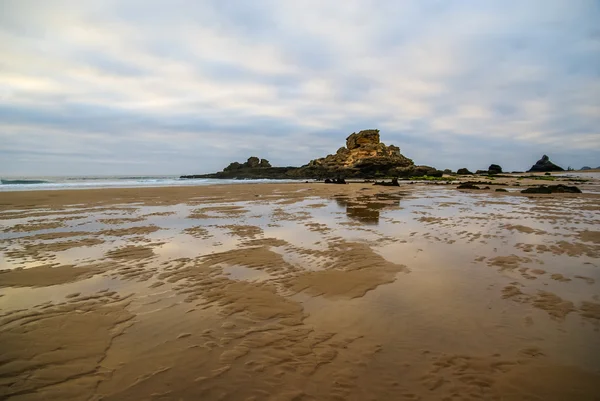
[[363, 157]]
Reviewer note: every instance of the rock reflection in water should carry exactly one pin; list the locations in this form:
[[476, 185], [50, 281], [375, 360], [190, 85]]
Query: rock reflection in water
[[366, 209]]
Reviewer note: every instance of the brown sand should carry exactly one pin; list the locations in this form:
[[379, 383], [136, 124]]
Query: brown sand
[[38, 250], [119, 232], [418, 293], [131, 252], [44, 275]]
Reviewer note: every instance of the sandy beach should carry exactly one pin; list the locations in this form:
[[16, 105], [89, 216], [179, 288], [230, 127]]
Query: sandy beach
[[300, 291]]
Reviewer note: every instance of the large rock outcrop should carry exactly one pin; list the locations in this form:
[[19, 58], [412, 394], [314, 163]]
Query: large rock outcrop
[[364, 151], [364, 156], [544, 165]]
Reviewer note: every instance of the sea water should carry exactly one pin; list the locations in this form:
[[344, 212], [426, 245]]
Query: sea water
[[86, 182]]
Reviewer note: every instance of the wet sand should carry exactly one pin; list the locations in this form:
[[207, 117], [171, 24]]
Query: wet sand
[[301, 291]]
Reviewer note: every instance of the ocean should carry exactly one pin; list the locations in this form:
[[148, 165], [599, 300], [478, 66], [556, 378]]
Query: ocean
[[86, 182]]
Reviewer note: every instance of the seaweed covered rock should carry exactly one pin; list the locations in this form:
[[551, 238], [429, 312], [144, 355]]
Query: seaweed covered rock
[[552, 189], [467, 185]]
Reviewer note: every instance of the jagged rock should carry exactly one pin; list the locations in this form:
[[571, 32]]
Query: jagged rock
[[253, 162], [543, 165], [365, 137], [463, 171], [494, 169], [552, 189], [233, 166], [364, 152]]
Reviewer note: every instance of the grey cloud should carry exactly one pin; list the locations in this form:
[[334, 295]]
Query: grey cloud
[[214, 81]]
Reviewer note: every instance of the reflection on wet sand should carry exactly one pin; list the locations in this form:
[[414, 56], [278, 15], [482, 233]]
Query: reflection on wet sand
[[300, 292], [366, 208]]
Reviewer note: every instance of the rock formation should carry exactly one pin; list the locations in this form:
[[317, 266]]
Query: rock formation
[[463, 171], [364, 156], [551, 189], [365, 152], [494, 169], [543, 165], [253, 162]]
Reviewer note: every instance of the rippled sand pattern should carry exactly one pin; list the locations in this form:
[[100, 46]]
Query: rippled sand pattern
[[299, 292]]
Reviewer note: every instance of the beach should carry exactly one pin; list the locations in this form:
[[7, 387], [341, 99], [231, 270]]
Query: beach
[[301, 291]]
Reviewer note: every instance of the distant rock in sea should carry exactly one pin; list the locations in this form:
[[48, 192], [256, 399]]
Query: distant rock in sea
[[586, 168], [544, 165], [364, 156], [253, 162], [463, 171]]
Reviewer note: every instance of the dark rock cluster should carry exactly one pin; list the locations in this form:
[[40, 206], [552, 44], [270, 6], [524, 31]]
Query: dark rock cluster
[[544, 165], [253, 162], [552, 189]]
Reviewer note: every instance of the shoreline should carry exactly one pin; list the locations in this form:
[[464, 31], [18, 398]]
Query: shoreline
[[299, 288], [36, 198], [79, 183]]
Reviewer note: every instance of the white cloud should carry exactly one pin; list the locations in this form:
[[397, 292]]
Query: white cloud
[[272, 76]]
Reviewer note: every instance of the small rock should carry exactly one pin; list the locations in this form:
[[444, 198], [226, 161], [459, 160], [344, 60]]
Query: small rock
[[393, 183], [467, 185], [552, 189], [494, 169]]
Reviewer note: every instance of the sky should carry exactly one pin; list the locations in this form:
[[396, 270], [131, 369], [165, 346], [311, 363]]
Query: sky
[[187, 86]]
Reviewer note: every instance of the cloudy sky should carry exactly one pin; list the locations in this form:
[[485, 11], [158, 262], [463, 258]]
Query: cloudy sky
[[186, 86]]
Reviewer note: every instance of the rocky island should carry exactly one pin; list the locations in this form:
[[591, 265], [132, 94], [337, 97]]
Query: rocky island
[[364, 156], [544, 165]]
